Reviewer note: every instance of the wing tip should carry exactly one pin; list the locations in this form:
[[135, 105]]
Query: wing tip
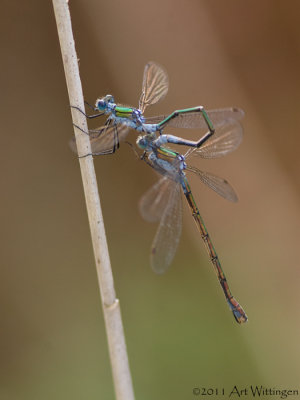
[[239, 111], [157, 265]]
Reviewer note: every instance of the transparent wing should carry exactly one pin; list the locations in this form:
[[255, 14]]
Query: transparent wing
[[105, 140], [110, 139], [155, 200], [167, 237], [155, 85], [168, 209], [156, 119], [227, 137], [195, 120], [219, 185]]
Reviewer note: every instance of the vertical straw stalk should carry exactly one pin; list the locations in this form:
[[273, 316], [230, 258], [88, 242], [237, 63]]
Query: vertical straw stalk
[[110, 304]]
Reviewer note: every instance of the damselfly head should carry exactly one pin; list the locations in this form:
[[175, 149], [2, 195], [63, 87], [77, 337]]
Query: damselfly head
[[103, 102], [144, 141], [141, 142]]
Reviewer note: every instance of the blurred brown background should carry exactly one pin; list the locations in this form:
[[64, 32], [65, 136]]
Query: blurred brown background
[[179, 331]]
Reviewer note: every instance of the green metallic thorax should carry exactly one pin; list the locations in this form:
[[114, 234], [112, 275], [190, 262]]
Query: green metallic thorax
[[166, 154], [123, 112]]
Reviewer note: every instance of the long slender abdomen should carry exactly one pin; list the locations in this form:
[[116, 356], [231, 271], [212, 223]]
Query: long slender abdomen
[[238, 312]]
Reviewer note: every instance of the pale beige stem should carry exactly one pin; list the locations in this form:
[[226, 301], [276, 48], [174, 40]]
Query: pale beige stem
[[111, 306]]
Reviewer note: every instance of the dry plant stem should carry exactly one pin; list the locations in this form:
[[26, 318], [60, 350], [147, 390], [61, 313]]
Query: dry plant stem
[[111, 306]]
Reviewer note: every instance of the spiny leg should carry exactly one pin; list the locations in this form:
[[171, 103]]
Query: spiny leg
[[116, 142], [108, 151], [113, 130], [82, 130], [101, 153], [99, 131], [86, 115], [90, 105]]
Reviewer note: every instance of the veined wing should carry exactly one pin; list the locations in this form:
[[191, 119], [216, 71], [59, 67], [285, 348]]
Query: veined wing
[[195, 120], [109, 141], [227, 137], [105, 140], [155, 200], [219, 185], [167, 237], [156, 119], [169, 230], [155, 85]]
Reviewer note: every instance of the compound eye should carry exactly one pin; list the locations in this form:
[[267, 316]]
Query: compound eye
[[101, 105], [110, 98], [141, 142]]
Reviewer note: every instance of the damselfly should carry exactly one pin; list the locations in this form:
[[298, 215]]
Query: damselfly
[[106, 139], [163, 201]]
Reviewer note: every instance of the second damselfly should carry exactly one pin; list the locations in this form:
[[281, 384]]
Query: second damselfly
[[163, 201]]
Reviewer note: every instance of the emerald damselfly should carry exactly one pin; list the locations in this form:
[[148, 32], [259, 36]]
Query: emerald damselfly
[[120, 119]]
